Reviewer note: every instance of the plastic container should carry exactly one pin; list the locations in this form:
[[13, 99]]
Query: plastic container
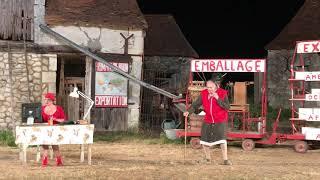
[[30, 119]]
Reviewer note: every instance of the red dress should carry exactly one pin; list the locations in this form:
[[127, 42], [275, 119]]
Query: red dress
[[59, 114]]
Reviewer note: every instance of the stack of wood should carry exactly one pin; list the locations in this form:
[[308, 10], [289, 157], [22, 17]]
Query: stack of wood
[[195, 123], [195, 88]]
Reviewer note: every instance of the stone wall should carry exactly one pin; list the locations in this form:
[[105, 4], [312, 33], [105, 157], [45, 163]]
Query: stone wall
[[279, 73], [22, 84]]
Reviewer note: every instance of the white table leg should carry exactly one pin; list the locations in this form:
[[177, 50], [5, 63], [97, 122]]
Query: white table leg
[[82, 153], [51, 152], [20, 152], [38, 153], [89, 154], [24, 147]]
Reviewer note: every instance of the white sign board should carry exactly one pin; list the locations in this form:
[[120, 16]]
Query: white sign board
[[311, 133], [312, 97], [315, 91], [309, 114], [308, 76], [308, 47], [228, 65]]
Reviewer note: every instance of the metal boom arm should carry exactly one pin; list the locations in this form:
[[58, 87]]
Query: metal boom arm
[[115, 69]]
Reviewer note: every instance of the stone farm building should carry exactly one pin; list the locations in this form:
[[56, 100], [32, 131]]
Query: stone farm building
[[303, 26], [113, 29], [166, 65]]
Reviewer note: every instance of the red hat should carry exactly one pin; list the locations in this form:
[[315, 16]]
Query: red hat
[[50, 96]]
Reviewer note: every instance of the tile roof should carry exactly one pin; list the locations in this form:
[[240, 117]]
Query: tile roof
[[164, 38], [114, 14], [305, 25]]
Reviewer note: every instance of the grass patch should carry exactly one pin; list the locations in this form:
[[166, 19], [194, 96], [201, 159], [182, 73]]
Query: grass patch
[[119, 136], [165, 140], [7, 138], [135, 137]]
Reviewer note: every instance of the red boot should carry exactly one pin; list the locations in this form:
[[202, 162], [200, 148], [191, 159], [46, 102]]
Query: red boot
[[44, 161], [59, 161]]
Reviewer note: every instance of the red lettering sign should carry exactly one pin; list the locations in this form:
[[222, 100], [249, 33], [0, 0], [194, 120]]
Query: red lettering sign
[[308, 47], [228, 65], [100, 67], [315, 47], [111, 101]]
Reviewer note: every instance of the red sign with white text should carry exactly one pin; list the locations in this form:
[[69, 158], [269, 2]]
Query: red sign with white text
[[308, 47], [228, 65]]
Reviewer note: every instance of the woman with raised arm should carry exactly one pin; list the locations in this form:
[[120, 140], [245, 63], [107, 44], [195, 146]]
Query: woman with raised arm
[[213, 131], [52, 112]]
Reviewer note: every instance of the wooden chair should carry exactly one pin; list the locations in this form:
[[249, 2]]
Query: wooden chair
[[239, 97]]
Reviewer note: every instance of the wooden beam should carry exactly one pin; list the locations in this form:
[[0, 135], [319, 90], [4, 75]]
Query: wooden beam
[[87, 83]]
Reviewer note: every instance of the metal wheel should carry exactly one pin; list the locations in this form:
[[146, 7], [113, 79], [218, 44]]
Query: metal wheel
[[195, 143], [248, 144], [301, 146]]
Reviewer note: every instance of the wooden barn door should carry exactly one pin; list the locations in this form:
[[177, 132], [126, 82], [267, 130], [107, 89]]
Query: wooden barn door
[[110, 119], [73, 107]]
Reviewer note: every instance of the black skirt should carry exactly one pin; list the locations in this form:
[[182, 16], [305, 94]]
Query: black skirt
[[212, 134]]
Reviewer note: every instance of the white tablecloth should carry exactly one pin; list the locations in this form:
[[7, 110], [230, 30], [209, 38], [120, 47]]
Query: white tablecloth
[[54, 135]]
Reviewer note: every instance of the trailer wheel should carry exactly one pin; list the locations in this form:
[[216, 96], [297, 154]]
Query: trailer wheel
[[301, 147], [248, 144], [195, 143]]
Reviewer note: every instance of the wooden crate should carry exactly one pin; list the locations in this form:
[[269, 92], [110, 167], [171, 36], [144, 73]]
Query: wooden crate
[[195, 88], [195, 117], [196, 122], [239, 107], [195, 129]]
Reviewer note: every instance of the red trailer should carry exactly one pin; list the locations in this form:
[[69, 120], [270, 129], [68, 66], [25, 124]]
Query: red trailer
[[253, 130]]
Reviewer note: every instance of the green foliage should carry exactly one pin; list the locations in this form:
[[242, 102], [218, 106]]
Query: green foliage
[[255, 111], [7, 138]]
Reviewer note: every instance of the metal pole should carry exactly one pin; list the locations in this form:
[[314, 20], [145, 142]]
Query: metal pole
[[185, 137], [114, 68]]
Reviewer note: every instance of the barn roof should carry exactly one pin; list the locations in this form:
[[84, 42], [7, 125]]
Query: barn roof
[[114, 14], [305, 25], [164, 38]]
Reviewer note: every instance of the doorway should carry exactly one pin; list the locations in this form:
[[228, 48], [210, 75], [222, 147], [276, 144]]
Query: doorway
[[70, 74]]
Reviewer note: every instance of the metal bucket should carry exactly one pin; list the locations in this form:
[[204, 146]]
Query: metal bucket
[[169, 124], [171, 133], [169, 127]]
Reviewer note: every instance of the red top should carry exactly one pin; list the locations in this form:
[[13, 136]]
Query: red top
[[59, 114], [214, 112]]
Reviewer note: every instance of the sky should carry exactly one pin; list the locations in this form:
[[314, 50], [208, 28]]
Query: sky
[[227, 28]]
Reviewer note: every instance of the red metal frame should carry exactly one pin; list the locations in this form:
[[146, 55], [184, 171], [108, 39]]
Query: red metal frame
[[262, 137], [244, 133]]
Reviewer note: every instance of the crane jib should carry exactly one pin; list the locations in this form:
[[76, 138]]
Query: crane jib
[[115, 69]]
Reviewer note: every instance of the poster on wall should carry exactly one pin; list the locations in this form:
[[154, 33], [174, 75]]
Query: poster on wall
[[111, 89]]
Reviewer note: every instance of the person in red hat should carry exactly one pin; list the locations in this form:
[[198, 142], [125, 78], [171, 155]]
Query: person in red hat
[[51, 111]]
